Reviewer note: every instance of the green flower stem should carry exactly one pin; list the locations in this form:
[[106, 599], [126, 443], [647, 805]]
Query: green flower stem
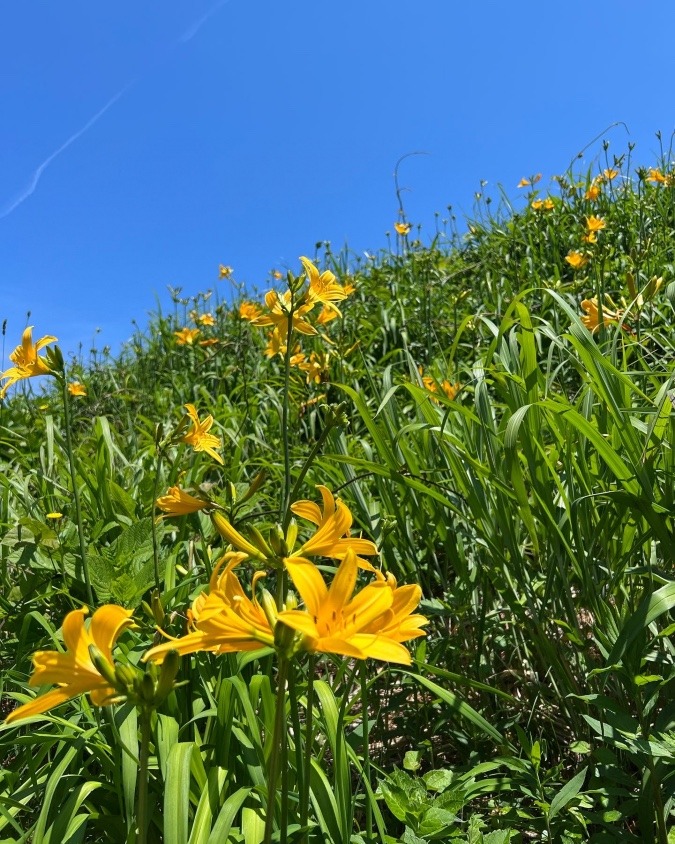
[[286, 499], [309, 727], [76, 494], [366, 747], [277, 753], [155, 490], [142, 805]]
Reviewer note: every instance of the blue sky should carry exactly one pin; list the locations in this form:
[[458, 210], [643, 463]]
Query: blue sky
[[142, 144]]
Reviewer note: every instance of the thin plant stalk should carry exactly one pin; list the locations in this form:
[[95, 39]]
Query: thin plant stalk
[[309, 727], [277, 752], [366, 747], [285, 412], [76, 493], [142, 804], [155, 545]]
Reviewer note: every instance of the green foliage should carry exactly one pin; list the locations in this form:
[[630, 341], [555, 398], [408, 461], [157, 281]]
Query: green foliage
[[516, 465]]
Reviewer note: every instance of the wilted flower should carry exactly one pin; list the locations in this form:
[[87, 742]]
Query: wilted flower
[[27, 362]]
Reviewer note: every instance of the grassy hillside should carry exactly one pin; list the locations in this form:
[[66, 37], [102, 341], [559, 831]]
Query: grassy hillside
[[495, 411]]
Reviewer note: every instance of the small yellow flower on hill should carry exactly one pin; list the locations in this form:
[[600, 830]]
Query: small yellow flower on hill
[[610, 174], [277, 275], [543, 204], [451, 390], [317, 367], [73, 672], [75, 388], [523, 183], [402, 228], [54, 516], [205, 319], [198, 436], [177, 502], [27, 362], [249, 311], [593, 192], [576, 259], [187, 336], [591, 319], [595, 224], [655, 175], [323, 287], [224, 272], [590, 237]]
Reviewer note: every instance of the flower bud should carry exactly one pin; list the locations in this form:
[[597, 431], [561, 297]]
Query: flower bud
[[269, 606], [102, 665], [167, 675]]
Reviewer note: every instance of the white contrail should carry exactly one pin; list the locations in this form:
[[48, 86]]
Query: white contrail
[[35, 178], [188, 35], [197, 25]]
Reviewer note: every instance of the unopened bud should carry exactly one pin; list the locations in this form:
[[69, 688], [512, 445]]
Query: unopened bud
[[102, 665], [269, 606], [291, 602], [55, 360], [291, 536], [256, 483], [126, 677], [284, 637], [259, 541], [147, 689], [157, 609], [167, 675]]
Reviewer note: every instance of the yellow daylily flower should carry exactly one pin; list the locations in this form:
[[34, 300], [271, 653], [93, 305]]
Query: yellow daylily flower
[[224, 272], [177, 502], [595, 224], [656, 176], [402, 228], [370, 624], [249, 311], [278, 309], [323, 287], [591, 319], [75, 388], [451, 390], [543, 204], [576, 259], [316, 367], [205, 319], [223, 620], [332, 537], [187, 336], [73, 671], [593, 192], [198, 436], [524, 182], [610, 174], [27, 362]]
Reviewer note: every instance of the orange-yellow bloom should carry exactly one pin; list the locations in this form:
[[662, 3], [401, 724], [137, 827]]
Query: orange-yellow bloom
[[187, 336], [249, 310], [402, 228], [543, 204], [523, 183], [177, 502], [332, 537], [198, 436], [75, 388], [323, 287], [655, 175], [205, 319], [370, 624], [278, 309], [73, 672], [593, 192], [316, 367], [576, 259], [224, 272], [224, 619], [27, 362], [610, 174], [276, 274], [451, 390], [595, 224], [591, 319]]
